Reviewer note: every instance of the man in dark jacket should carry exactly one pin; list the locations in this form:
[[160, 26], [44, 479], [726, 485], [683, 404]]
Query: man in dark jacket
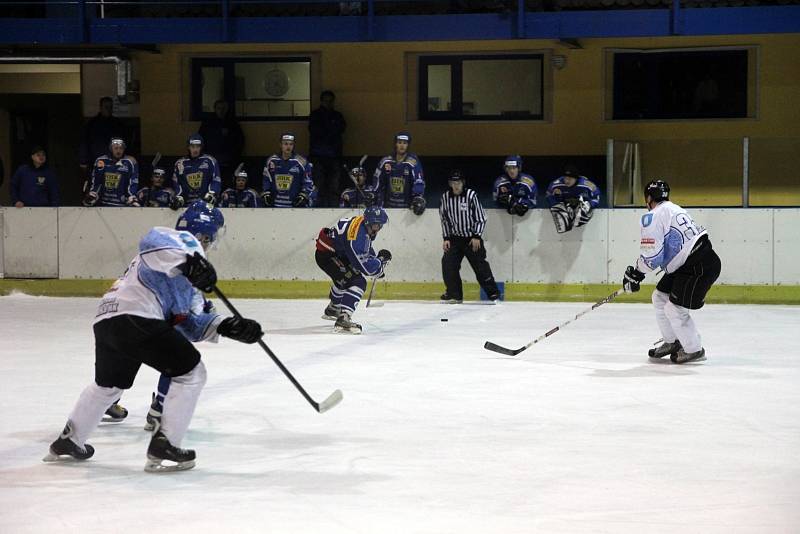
[[326, 126], [35, 185], [224, 140], [99, 130]]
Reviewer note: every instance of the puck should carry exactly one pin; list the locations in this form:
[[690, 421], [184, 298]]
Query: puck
[[444, 320]]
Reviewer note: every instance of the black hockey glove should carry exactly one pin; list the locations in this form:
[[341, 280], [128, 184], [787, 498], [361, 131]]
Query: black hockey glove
[[384, 255], [266, 196], [90, 199], [176, 203], [633, 277], [200, 272], [300, 201], [520, 208], [240, 329], [369, 199], [211, 198], [418, 205]]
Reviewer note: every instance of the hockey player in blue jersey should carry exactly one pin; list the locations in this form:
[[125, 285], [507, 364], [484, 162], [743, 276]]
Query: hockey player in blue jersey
[[239, 196], [399, 181], [572, 199], [345, 253], [151, 315], [672, 241], [287, 179], [196, 176], [156, 196], [115, 178], [514, 190], [361, 195]]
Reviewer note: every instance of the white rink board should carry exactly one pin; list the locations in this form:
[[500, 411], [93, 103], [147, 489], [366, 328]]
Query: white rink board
[[30, 243], [262, 244]]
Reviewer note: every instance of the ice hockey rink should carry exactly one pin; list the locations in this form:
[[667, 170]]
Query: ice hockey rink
[[581, 433]]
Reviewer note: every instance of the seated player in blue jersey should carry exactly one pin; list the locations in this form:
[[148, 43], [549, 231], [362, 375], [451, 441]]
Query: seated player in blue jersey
[[572, 199], [156, 196], [345, 253], [360, 195], [514, 190], [151, 315], [239, 196]]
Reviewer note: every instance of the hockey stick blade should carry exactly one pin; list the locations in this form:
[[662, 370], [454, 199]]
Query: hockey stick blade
[[502, 350], [332, 400]]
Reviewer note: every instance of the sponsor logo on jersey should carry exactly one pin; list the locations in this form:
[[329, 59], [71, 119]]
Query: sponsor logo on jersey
[[356, 223], [647, 219], [294, 168], [111, 180], [398, 184], [194, 179], [40, 180], [648, 242], [283, 182]]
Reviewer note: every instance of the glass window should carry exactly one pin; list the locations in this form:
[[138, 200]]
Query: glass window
[[494, 87], [256, 89]]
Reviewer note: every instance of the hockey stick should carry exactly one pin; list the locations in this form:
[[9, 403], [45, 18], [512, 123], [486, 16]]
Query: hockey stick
[[369, 298], [513, 352], [332, 400]]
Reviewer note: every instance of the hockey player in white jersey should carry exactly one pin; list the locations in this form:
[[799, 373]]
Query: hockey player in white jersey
[[151, 315], [672, 241]]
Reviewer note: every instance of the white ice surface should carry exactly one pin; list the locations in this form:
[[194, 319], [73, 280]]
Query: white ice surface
[[435, 434]]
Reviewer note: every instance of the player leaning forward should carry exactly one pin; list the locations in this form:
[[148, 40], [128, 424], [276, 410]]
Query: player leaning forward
[[151, 315], [345, 253], [671, 240]]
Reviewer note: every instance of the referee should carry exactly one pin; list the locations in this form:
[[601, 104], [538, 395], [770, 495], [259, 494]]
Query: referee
[[463, 222]]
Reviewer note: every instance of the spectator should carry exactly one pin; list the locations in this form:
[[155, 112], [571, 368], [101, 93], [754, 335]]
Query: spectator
[[35, 185], [463, 222], [399, 181], [99, 130], [514, 190], [326, 126], [572, 199], [224, 139]]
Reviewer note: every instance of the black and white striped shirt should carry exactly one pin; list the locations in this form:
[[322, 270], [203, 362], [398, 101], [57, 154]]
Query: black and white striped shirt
[[462, 215]]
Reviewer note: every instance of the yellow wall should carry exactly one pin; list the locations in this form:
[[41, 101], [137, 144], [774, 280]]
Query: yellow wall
[[370, 80]]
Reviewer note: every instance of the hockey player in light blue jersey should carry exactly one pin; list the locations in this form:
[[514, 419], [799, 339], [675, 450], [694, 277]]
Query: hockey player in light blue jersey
[[399, 181], [287, 179], [345, 253], [239, 196], [572, 199], [514, 190], [196, 176], [115, 178], [151, 315], [672, 241]]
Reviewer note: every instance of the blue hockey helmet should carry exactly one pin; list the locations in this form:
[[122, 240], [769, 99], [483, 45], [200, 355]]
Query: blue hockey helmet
[[202, 220], [403, 136], [195, 139], [515, 160], [376, 215]]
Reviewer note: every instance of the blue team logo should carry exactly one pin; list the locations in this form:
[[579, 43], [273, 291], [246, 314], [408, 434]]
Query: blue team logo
[[189, 240], [647, 218]]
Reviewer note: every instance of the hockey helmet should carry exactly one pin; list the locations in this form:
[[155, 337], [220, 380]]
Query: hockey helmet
[[195, 139], [514, 160], [116, 141], [402, 136], [287, 136], [202, 220], [158, 174], [571, 170], [376, 215], [658, 190], [240, 173]]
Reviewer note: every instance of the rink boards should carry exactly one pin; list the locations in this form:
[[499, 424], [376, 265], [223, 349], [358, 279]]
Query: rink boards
[[757, 246]]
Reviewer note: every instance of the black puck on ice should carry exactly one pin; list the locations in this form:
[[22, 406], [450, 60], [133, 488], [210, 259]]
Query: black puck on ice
[[444, 320]]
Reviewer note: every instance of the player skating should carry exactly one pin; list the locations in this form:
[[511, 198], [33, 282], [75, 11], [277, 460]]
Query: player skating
[[151, 315], [671, 240], [345, 253]]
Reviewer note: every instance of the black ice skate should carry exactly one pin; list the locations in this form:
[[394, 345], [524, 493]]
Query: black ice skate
[[683, 357], [115, 414], [345, 326], [161, 450], [447, 299], [665, 349], [65, 449], [153, 418], [331, 313]]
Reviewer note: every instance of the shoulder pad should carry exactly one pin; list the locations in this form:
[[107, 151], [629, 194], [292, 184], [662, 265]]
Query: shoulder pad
[[301, 160], [131, 159], [354, 227], [527, 180]]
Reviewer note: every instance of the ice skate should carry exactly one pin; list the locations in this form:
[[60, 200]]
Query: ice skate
[[665, 349], [447, 299], [161, 450], [65, 449], [346, 326], [153, 418], [331, 313], [682, 357], [115, 414]]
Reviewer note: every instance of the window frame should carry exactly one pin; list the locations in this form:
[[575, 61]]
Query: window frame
[[457, 86], [196, 64]]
